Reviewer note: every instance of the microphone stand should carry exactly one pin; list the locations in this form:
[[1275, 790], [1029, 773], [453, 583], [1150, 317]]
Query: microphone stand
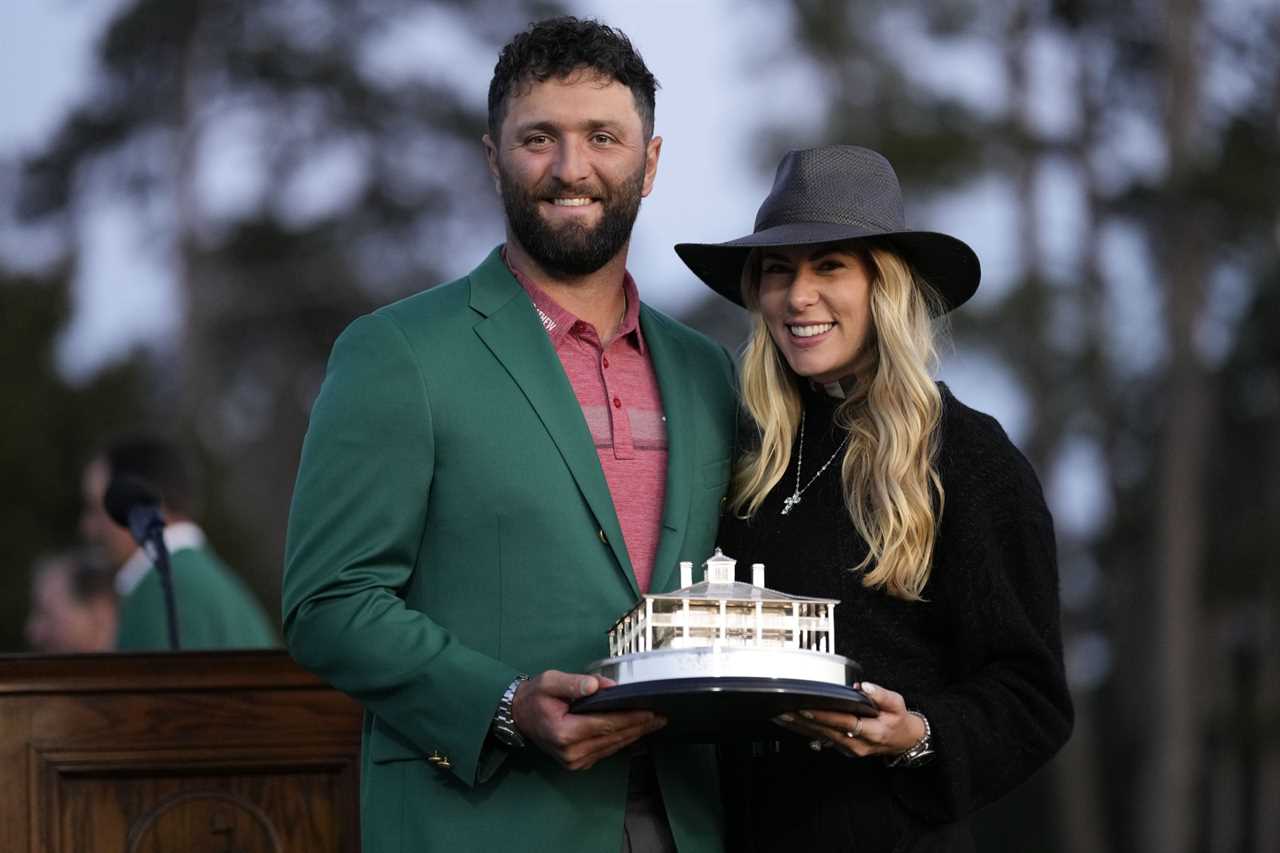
[[135, 506], [159, 554]]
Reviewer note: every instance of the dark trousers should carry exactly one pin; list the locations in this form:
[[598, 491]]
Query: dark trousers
[[645, 825]]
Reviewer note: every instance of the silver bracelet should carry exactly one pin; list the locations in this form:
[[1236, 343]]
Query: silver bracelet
[[504, 723], [921, 752]]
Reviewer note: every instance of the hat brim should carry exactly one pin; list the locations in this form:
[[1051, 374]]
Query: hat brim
[[945, 262]]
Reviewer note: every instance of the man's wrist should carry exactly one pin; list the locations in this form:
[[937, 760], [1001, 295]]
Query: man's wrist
[[504, 728]]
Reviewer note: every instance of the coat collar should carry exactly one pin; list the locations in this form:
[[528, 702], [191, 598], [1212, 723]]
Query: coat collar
[[492, 285], [512, 332], [178, 536], [670, 364]]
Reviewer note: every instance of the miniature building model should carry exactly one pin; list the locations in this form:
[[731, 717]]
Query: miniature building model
[[723, 613]]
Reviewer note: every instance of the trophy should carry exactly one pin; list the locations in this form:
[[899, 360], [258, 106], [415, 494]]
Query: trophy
[[720, 658]]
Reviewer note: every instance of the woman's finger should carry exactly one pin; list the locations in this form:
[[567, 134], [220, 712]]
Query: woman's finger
[[808, 728], [888, 701], [832, 719], [812, 730]]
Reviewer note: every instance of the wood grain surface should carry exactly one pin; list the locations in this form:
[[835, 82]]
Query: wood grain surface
[[204, 752]]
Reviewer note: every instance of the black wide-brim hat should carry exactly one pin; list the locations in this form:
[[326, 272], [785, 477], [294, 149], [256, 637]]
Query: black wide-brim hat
[[831, 194]]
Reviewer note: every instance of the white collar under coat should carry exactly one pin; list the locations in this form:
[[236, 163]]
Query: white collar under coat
[[177, 536]]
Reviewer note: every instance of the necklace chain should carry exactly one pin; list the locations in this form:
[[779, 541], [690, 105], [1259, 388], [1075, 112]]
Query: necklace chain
[[789, 503]]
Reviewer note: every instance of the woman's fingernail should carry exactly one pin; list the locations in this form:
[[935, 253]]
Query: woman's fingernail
[[869, 688], [808, 715], [786, 718]]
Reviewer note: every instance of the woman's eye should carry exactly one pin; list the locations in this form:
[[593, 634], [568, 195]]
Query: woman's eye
[[773, 269]]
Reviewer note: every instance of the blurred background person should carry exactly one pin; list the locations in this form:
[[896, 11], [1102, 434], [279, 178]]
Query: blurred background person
[[73, 605], [215, 608]]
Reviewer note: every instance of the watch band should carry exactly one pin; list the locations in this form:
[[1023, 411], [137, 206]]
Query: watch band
[[504, 724], [920, 753]]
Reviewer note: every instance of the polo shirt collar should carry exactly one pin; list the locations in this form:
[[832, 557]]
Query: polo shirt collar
[[559, 322]]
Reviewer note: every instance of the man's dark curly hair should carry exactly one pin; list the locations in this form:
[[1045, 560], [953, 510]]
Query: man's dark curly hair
[[556, 48]]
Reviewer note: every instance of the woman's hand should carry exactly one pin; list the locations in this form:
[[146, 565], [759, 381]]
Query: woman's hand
[[890, 732]]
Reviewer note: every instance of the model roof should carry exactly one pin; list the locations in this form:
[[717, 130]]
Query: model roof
[[733, 591]]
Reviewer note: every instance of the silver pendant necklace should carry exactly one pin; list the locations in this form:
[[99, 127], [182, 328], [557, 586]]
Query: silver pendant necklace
[[789, 503]]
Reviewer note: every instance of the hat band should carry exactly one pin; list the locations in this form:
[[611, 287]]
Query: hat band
[[800, 216]]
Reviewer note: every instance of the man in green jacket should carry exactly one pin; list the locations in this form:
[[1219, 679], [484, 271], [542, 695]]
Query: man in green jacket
[[495, 469], [215, 609]]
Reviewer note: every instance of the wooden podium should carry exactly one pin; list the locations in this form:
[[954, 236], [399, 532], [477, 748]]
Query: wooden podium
[[190, 752]]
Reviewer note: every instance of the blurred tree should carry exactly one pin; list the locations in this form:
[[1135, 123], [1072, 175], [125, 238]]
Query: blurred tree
[[298, 162], [48, 429], [1161, 117]]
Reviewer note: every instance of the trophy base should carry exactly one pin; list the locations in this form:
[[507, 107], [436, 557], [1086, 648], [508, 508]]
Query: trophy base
[[725, 709]]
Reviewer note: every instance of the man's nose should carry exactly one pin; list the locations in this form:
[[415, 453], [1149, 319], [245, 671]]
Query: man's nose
[[571, 163]]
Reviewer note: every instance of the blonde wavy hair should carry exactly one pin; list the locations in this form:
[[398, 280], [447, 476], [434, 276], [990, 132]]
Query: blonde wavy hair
[[891, 485]]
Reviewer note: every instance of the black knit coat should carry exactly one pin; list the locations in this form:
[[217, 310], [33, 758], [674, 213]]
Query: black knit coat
[[980, 656]]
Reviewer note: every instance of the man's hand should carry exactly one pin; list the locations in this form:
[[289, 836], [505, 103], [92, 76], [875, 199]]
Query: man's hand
[[541, 712]]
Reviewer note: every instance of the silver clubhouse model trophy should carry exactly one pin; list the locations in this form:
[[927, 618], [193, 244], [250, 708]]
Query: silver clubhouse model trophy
[[720, 658]]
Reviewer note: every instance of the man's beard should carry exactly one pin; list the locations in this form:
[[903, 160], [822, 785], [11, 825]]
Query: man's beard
[[571, 250]]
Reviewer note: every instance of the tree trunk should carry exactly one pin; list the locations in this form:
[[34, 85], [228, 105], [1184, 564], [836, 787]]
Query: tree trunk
[[1077, 771], [1169, 803]]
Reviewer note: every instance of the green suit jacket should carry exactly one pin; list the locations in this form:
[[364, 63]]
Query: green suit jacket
[[451, 528], [215, 608]]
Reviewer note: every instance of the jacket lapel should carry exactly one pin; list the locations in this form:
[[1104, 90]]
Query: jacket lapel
[[674, 384], [512, 332]]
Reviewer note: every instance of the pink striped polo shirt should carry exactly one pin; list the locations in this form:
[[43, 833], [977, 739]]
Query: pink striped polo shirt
[[618, 391]]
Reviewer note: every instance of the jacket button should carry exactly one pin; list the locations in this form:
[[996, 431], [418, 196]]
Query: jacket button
[[603, 538]]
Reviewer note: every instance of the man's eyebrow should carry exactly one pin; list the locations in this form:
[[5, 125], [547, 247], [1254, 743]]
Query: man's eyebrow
[[553, 128], [529, 127]]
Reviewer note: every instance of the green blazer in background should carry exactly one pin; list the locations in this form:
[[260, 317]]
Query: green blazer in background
[[451, 528], [216, 610]]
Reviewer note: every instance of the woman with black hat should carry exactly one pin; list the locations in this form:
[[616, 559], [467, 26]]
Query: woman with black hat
[[862, 479]]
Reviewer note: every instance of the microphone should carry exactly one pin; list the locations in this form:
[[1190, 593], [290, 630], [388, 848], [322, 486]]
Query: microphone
[[134, 505]]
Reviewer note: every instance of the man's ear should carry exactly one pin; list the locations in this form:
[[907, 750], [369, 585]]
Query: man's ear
[[651, 153], [491, 157]]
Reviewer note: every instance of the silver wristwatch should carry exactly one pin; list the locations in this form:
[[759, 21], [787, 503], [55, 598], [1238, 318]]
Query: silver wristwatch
[[921, 752], [504, 724]]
